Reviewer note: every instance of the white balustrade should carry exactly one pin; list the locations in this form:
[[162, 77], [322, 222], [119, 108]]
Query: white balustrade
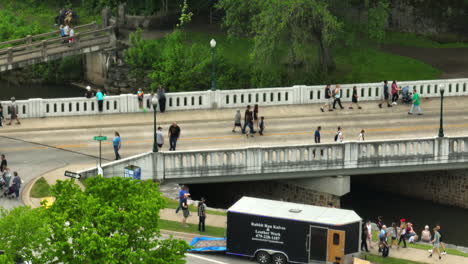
[[289, 161], [299, 94]]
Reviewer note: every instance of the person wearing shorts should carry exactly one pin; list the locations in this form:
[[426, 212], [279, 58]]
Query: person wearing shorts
[[386, 95], [185, 210], [237, 121], [436, 243]]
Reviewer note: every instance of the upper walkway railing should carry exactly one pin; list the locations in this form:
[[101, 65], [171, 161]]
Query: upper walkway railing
[[299, 94], [49, 46], [299, 161]]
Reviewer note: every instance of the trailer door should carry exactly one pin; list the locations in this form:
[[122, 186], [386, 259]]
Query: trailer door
[[336, 246], [317, 244]]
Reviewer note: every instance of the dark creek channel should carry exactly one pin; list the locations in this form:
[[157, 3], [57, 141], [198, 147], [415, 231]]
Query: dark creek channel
[[27, 91], [368, 204]]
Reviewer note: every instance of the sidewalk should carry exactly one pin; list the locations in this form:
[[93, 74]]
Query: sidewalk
[[277, 112], [420, 255]]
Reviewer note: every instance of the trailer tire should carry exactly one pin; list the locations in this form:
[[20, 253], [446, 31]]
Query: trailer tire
[[279, 259], [263, 257]]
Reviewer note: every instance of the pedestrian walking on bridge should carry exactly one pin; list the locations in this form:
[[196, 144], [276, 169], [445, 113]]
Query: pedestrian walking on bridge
[[159, 137], [329, 98], [337, 95], [416, 103], [117, 142], [237, 121], [162, 99], [174, 134], [13, 111], [1, 116], [100, 100], [17, 184], [386, 95]]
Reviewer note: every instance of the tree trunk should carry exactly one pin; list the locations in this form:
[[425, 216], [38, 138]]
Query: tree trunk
[[325, 58]]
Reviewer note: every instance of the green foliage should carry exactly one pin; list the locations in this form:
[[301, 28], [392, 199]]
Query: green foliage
[[115, 220], [142, 54], [13, 27], [185, 16], [40, 189], [192, 228], [22, 232], [239, 16], [413, 40], [388, 260], [57, 71], [377, 20]]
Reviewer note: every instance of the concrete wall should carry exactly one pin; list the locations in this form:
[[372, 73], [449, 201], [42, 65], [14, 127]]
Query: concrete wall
[[95, 68], [448, 187]]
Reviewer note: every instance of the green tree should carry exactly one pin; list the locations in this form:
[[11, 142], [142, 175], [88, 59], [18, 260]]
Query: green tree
[[240, 16], [22, 231], [377, 20], [141, 54], [115, 220]]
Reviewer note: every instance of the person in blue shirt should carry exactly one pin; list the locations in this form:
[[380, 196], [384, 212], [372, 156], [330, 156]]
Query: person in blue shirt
[[100, 99], [183, 191], [317, 134], [117, 142]]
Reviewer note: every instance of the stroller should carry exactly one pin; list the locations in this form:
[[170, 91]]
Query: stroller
[[406, 95], [10, 192]]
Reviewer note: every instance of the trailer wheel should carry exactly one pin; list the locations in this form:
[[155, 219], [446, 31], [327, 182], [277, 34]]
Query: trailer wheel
[[263, 257], [279, 259]]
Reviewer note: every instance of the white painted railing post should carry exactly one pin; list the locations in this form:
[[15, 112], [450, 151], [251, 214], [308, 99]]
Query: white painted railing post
[[298, 97], [442, 148], [351, 154], [212, 99], [123, 103], [158, 166]]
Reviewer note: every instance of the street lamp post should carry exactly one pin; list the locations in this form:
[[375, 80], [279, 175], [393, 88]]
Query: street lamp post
[[441, 128], [213, 70], [154, 101]]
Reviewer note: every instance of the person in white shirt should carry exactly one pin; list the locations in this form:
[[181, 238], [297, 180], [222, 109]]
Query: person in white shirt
[[361, 135], [339, 135], [71, 38]]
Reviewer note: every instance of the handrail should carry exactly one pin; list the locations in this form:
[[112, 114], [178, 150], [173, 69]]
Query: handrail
[[33, 45], [31, 38]]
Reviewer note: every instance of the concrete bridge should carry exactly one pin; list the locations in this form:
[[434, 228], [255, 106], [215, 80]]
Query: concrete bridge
[[220, 99], [315, 166], [49, 46]]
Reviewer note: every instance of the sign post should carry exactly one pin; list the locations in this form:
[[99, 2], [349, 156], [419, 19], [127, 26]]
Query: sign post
[[72, 174], [100, 139]]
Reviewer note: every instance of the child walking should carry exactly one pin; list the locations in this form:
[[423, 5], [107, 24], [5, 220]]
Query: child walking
[[262, 125]]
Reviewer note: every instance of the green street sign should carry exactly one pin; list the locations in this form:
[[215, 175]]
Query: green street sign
[[100, 138]]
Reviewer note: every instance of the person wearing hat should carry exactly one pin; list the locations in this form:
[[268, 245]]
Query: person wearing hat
[[426, 235], [13, 111], [201, 215], [402, 234], [89, 93]]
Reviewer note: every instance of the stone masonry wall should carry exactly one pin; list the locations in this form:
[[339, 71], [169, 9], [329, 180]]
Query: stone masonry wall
[[443, 187], [274, 190]]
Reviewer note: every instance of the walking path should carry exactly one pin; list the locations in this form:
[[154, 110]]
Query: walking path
[[420, 255]]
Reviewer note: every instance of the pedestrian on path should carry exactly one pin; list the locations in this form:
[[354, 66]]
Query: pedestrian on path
[[162, 99], [442, 244], [416, 103], [201, 215], [362, 135], [185, 210], [17, 184], [7, 176], [329, 98], [317, 134], [4, 163], [248, 121], [182, 192], [149, 102], [402, 233], [1, 116], [174, 134], [71, 37], [100, 100], [393, 233], [339, 135], [255, 116], [385, 95], [395, 92], [89, 94], [237, 121], [364, 235], [262, 125], [160, 137], [337, 95], [354, 99], [117, 142], [66, 32], [436, 243], [369, 233], [140, 96], [13, 111]]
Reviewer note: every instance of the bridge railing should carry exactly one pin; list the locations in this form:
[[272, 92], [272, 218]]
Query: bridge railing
[[128, 103], [298, 161], [39, 37]]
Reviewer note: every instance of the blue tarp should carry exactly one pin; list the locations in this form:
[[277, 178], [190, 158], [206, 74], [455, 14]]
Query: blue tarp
[[195, 240]]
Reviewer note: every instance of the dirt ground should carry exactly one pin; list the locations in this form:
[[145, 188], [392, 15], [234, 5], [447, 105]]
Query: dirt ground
[[452, 62]]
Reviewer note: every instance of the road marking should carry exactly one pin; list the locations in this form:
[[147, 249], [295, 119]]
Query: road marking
[[206, 259]]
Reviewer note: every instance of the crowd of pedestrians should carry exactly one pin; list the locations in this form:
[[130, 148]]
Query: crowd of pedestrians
[[65, 19], [10, 184], [184, 206], [398, 234]]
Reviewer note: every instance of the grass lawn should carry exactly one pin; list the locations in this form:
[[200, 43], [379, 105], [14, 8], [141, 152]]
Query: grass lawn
[[413, 40], [173, 204], [40, 189], [388, 260], [193, 229]]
